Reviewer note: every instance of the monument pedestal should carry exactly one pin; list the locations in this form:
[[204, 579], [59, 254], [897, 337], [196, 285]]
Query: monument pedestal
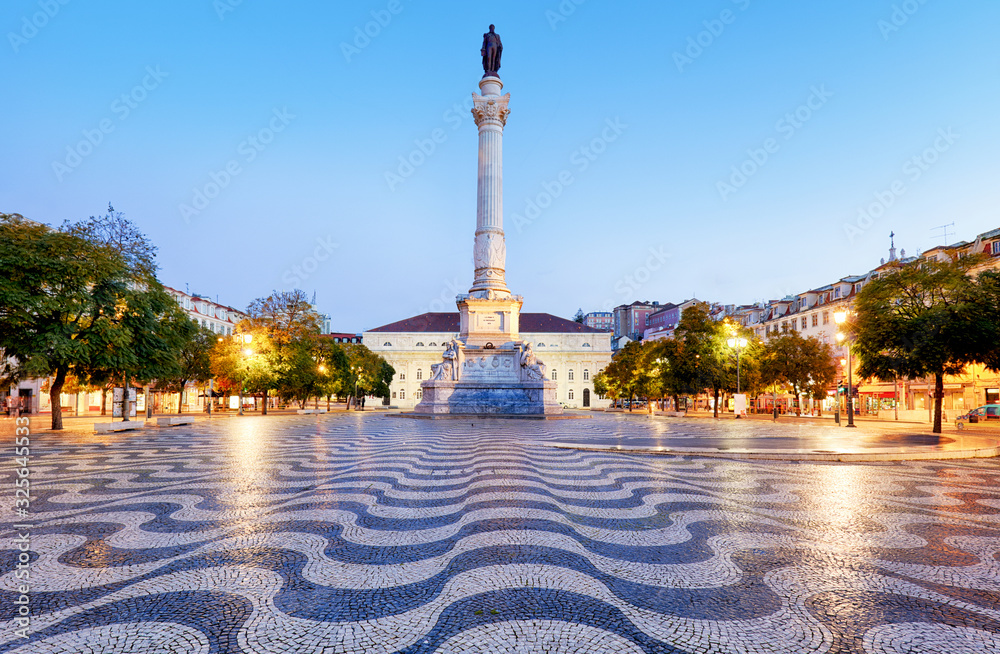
[[489, 319], [489, 381]]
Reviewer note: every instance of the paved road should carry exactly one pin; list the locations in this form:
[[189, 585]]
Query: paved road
[[348, 533]]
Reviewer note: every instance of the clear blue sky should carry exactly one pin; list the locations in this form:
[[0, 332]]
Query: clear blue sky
[[211, 75]]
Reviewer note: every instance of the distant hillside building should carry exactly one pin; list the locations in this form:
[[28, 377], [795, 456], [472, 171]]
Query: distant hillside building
[[602, 320], [630, 319]]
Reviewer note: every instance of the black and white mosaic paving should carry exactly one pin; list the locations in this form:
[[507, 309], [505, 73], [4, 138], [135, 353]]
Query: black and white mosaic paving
[[349, 533]]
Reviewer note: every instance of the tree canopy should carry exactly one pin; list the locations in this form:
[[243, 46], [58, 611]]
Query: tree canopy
[[83, 301], [925, 320]]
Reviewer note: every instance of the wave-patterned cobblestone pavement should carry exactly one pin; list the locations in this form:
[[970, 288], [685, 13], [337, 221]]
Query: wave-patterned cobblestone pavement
[[378, 534]]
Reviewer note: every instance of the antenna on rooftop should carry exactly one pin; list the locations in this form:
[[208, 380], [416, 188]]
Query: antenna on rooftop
[[944, 229]]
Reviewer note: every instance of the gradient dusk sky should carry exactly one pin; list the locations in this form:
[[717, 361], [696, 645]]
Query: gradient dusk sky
[[344, 163]]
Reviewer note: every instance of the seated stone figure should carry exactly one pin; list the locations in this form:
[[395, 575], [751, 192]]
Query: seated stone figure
[[532, 369], [446, 369]]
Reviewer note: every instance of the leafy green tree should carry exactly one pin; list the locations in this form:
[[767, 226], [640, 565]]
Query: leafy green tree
[[924, 320], [301, 376], [368, 372], [285, 329], [699, 360], [334, 368], [983, 329], [805, 364], [624, 373], [603, 386], [245, 366], [675, 369], [72, 303], [149, 327], [194, 357]]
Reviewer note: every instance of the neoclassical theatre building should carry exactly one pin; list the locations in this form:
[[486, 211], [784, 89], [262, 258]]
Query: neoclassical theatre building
[[572, 353]]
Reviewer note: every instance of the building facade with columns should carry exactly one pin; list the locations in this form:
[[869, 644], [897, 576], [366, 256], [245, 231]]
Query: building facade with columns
[[571, 352]]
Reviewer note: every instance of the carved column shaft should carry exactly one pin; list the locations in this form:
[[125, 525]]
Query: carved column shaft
[[490, 250]]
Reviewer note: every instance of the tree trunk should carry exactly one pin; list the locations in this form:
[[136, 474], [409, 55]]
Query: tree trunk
[[125, 411], [798, 402], [104, 401], [263, 410], [180, 397], [327, 402], [677, 402], [715, 409], [938, 396], [819, 408], [55, 398]]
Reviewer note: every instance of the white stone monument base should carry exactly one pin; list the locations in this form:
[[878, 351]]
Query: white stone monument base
[[488, 397]]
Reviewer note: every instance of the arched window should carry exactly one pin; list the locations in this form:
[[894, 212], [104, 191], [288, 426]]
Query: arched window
[[541, 345], [402, 376], [433, 345], [555, 375], [420, 393], [402, 394], [586, 375], [387, 344], [586, 345], [569, 375], [420, 373], [569, 395], [419, 344]]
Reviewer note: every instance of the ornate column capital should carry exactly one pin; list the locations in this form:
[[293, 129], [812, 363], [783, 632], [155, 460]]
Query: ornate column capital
[[490, 109]]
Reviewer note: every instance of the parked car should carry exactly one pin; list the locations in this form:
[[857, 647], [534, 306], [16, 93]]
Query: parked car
[[984, 413]]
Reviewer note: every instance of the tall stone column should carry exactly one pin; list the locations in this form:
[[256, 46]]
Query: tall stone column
[[490, 249], [488, 369]]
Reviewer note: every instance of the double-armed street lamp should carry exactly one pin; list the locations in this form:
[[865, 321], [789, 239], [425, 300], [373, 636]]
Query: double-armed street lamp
[[840, 317], [739, 344]]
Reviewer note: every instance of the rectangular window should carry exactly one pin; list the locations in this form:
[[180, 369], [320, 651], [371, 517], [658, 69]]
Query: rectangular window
[[836, 292], [815, 320], [996, 247], [826, 317], [402, 394]]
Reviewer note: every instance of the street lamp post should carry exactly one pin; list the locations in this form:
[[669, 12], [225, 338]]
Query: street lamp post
[[739, 344], [840, 317]]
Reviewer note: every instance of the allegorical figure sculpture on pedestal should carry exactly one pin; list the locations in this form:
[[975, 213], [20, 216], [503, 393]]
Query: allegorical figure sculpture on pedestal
[[488, 369], [492, 50]]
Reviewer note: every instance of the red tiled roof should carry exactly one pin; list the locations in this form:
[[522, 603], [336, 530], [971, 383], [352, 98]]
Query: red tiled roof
[[530, 323]]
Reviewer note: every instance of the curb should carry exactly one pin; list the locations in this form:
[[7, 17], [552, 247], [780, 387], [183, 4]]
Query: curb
[[796, 455]]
